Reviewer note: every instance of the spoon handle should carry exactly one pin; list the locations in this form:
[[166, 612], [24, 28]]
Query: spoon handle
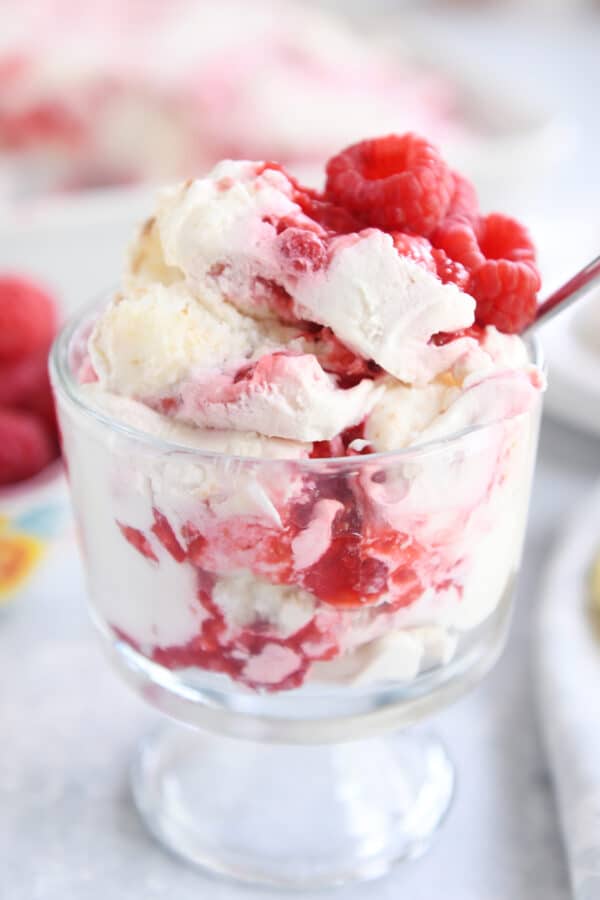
[[568, 293]]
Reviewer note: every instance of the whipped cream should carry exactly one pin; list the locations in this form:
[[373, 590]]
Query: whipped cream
[[387, 307], [203, 301], [382, 305]]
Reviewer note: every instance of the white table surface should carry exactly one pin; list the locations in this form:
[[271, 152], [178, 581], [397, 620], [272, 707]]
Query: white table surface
[[68, 729]]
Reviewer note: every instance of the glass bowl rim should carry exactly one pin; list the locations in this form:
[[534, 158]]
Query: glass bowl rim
[[65, 385]]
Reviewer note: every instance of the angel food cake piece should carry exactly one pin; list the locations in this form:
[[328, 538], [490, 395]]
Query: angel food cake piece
[[260, 320]]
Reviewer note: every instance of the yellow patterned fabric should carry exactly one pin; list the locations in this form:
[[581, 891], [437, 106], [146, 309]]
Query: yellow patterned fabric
[[19, 555]]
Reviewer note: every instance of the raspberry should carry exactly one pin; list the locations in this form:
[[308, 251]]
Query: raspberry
[[27, 318], [500, 257], [333, 218], [22, 379], [464, 203], [25, 385], [506, 285], [501, 237], [450, 271], [25, 446], [435, 261], [399, 182], [43, 406], [301, 250], [458, 240], [506, 294]]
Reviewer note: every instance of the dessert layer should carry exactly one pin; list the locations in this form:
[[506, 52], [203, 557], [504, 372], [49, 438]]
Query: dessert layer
[[263, 329]]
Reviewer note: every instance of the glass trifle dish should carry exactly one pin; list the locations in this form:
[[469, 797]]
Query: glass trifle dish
[[300, 439]]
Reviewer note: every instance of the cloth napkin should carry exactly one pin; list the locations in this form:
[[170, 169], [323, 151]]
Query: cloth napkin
[[567, 661]]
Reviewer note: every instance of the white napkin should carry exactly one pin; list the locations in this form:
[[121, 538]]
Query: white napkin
[[567, 658]]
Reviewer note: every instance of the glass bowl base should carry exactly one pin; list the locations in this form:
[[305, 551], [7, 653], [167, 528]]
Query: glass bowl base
[[292, 816]]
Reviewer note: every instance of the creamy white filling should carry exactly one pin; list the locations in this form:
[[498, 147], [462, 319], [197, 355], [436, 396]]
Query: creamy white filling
[[157, 605], [402, 413], [201, 302], [293, 398], [225, 443], [386, 307], [221, 230]]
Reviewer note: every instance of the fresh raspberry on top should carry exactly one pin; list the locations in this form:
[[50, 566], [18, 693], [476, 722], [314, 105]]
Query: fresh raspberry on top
[[501, 237], [458, 240], [397, 183], [464, 203], [329, 215], [449, 271], [499, 255], [27, 318], [25, 446], [506, 294], [506, 285]]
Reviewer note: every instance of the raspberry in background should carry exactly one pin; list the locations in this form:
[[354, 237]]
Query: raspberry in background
[[28, 426], [23, 380], [25, 446], [27, 318], [25, 385], [397, 183]]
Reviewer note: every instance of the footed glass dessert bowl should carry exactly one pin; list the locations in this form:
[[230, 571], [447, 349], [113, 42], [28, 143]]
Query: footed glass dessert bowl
[[300, 614]]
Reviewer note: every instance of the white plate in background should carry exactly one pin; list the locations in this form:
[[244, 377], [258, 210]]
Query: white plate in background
[[571, 341], [574, 365], [566, 654]]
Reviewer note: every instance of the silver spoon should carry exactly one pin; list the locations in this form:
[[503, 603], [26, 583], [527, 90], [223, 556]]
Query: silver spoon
[[572, 290]]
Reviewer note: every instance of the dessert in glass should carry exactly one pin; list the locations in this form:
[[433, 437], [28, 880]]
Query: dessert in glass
[[300, 439]]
